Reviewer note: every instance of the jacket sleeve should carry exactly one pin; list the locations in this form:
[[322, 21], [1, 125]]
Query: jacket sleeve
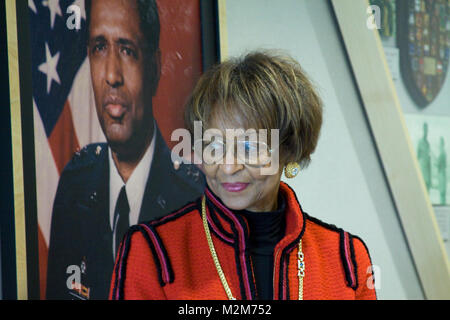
[[365, 272], [136, 270]]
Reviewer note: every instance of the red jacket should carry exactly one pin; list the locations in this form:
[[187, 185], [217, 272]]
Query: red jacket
[[170, 258]]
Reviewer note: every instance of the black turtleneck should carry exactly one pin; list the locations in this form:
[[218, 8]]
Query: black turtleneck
[[266, 230]]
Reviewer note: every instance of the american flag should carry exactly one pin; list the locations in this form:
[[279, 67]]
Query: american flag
[[64, 112]]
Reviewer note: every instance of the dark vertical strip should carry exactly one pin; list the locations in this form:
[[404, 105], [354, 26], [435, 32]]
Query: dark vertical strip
[[353, 259], [26, 102], [286, 275], [343, 257], [123, 267], [249, 270], [238, 246], [7, 231], [210, 33], [347, 260], [159, 267]]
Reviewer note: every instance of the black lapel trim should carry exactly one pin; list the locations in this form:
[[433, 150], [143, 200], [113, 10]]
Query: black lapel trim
[[352, 254], [346, 257], [370, 259], [247, 258], [216, 221], [350, 270], [238, 262], [280, 278], [121, 265], [213, 215], [156, 257], [285, 253], [116, 270], [343, 259], [218, 236], [219, 211], [256, 294], [328, 226], [287, 277], [302, 231], [191, 206], [283, 277], [235, 244], [213, 209], [289, 248], [123, 269]]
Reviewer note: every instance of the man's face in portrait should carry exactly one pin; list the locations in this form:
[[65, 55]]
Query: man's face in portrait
[[121, 72]]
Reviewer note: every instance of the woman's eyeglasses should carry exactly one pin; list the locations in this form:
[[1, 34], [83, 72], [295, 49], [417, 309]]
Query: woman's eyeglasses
[[251, 153]]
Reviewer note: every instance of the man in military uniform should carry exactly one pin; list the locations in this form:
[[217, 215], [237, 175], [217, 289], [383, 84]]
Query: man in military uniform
[[108, 187]]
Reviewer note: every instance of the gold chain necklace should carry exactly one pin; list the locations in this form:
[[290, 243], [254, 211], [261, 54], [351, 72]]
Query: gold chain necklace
[[300, 260]]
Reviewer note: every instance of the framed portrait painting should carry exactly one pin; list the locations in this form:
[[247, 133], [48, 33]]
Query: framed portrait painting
[[102, 85]]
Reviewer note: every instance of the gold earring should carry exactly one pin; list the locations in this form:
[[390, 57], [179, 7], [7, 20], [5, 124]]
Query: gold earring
[[291, 170]]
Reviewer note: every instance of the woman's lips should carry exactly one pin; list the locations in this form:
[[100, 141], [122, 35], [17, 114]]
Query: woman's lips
[[234, 187]]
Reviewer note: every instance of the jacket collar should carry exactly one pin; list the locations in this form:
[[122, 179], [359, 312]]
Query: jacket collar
[[233, 230], [223, 221]]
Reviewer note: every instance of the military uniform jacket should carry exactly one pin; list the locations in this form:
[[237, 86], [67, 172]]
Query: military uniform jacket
[[80, 260]]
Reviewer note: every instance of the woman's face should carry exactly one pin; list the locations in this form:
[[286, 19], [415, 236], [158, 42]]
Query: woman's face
[[241, 186]]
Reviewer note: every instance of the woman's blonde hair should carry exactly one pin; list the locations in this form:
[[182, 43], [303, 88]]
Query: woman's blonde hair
[[261, 90]]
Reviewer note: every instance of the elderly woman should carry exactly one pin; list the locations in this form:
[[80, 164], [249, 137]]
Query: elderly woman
[[247, 237]]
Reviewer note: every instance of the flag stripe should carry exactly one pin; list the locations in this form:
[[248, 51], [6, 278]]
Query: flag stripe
[[43, 254], [63, 139]]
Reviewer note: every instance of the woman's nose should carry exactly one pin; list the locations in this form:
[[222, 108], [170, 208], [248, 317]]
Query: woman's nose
[[231, 164]]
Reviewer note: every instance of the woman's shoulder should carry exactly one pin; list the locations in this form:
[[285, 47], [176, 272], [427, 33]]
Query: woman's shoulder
[[350, 249], [188, 211], [327, 231], [169, 226], [146, 248], [161, 232]]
